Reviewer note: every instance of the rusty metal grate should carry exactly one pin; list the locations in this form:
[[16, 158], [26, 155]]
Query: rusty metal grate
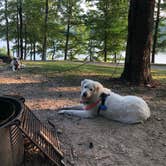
[[41, 136], [16, 140]]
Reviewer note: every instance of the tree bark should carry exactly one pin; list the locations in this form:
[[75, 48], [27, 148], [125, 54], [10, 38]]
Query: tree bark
[[31, 52], [25, 41], [34, 51], [105, 47], [68, 30], [21, 29], [90, 45], [18, 31], [105, 31], [115, 58], [7, 28], [140, 24], [45, 32], [156, 31]]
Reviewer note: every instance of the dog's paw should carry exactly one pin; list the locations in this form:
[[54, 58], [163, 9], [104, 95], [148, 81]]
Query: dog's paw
[[62, 112]]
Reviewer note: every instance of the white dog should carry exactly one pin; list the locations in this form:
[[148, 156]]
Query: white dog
[[97, 100]]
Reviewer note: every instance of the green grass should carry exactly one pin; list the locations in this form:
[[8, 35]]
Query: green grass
[[69, 68], [159, 75]]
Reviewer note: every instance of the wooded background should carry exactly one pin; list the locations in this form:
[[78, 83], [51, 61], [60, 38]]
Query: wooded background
[[53, 28]]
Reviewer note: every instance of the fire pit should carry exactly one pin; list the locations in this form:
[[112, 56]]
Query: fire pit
[[16, 120], [11, 144]]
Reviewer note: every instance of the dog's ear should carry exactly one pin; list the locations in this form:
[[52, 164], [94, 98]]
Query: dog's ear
[[98, 86], [83, 82], [100, 89]]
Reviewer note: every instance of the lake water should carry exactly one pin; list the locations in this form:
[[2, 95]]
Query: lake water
[[160, 58]]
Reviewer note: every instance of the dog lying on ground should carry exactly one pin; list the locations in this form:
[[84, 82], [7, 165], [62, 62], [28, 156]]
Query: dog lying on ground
[[98, 100]]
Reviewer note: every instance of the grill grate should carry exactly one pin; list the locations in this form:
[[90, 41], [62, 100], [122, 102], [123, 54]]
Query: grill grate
[[41, 136], [16, 140]]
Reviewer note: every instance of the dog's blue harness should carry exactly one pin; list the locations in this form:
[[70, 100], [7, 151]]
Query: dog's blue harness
[[102, 106]]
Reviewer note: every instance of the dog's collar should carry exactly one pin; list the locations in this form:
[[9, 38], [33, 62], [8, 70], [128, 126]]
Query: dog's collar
[[102, 106], [92, 105]]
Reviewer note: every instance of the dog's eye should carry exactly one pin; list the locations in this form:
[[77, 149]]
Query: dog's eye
[[91, 89], [85, 87]]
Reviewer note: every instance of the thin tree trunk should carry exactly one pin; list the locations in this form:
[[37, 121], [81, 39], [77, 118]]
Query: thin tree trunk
[[53, 55], [7, 28], [137, 61], [67, 39], [115, 58], [68, 30], [105, 31], [31, 52], [18, 32], [45, 32], [34, 51], [21, 29], [156, 31], [25, 41], [105, 48], [90, 50]]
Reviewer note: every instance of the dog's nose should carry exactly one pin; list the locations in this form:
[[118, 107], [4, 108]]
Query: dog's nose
[[85, 94]]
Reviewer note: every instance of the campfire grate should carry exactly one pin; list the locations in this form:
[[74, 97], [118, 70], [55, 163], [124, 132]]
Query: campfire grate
[[41, 136]]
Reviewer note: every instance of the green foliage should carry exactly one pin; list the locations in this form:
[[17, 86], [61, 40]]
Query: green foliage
[[108, 26], [161, 46], [3, 51], [89, 31], [161, 40]]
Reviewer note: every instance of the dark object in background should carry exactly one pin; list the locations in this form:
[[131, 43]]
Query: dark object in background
[[5, 59], [91, 145]]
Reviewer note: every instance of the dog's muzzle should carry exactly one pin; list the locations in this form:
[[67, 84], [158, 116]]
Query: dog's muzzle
[[85, 94]]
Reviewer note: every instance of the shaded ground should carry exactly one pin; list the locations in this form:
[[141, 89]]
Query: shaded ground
[[93, 142]]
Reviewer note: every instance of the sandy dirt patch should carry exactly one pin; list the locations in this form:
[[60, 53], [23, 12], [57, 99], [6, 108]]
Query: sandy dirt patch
[[93, 142]]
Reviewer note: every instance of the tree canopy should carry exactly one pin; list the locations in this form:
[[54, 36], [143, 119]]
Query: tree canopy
[[64, 29]]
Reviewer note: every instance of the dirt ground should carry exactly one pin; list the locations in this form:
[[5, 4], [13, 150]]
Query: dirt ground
[[93, 142]]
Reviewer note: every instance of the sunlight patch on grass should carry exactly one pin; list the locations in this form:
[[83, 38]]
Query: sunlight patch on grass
[[159, 75]]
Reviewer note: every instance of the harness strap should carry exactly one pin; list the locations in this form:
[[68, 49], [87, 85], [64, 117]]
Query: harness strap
[[102, 106]]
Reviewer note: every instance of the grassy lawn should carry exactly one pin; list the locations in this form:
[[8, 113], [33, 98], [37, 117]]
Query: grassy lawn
[[70, 68], [76, 68]]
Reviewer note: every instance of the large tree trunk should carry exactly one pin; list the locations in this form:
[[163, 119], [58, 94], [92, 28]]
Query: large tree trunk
[[156, 31], [7, 28], [45, 32], [137, 62]]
